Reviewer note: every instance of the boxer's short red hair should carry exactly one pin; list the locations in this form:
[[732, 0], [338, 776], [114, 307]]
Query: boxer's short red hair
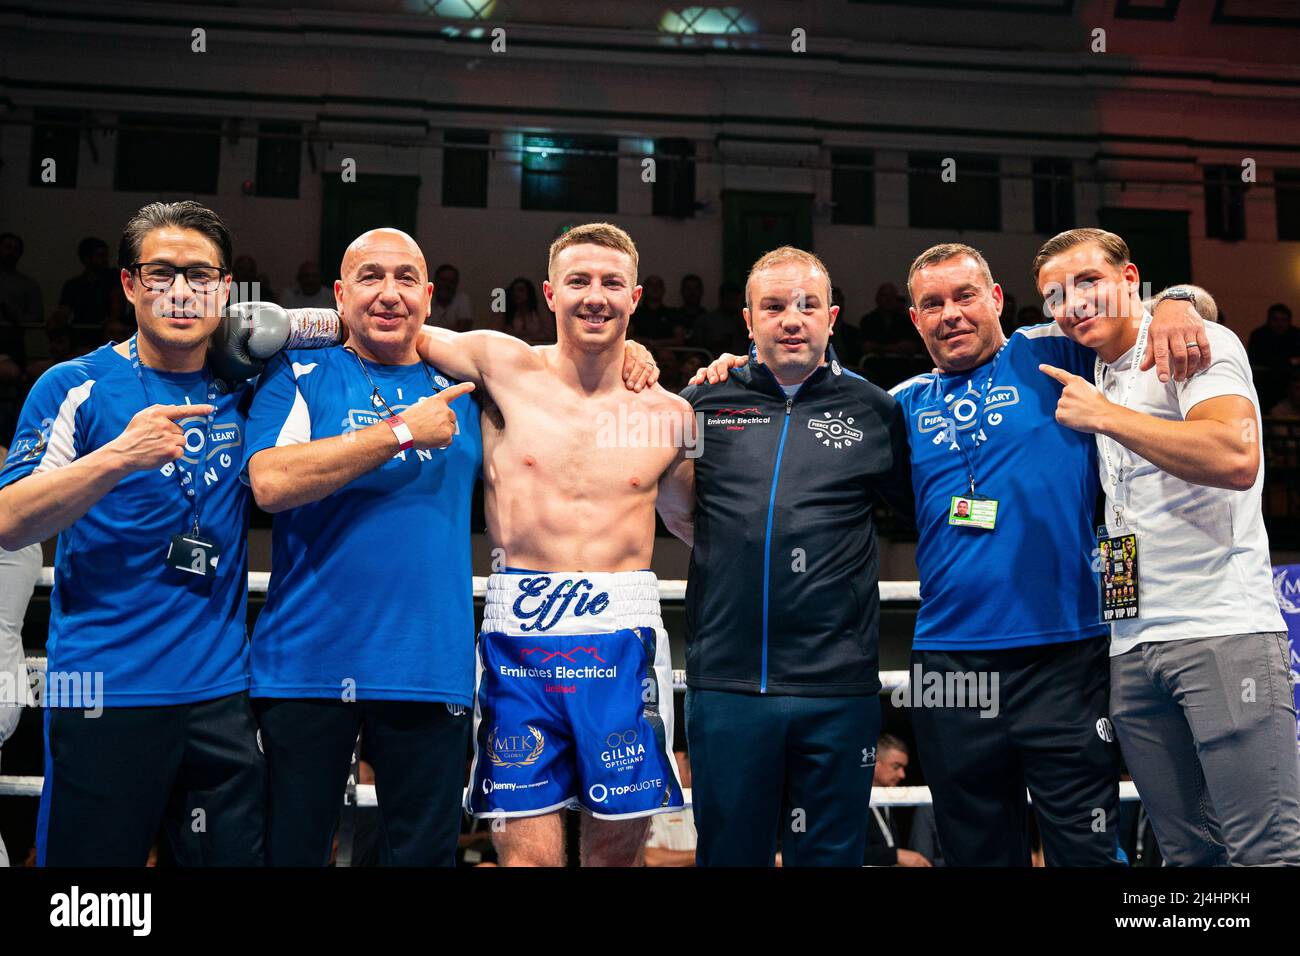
[[595, 234]]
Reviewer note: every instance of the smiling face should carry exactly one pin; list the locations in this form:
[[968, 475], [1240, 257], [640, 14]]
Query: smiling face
[[957, 311], [592, 290], [178, 319], [1093, 300], [791, 318], [384, 294]]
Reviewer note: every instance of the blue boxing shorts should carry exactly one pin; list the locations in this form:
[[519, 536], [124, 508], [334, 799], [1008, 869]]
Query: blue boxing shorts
[[574, 699]]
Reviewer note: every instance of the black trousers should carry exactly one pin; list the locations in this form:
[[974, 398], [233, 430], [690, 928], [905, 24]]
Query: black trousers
[[1050, 735], [419, 752], [799, 765], [112, 778]]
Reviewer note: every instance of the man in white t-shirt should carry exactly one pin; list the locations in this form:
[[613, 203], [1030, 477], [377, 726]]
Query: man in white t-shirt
[[1200, 695]]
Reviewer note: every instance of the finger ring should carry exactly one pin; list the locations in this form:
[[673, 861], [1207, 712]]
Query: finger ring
[[1192, 345]]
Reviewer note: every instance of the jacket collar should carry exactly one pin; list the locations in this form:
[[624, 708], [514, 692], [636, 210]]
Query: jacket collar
[[757, 376]]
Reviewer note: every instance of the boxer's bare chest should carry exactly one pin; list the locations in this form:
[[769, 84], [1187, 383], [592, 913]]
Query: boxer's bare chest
[[555, 439]]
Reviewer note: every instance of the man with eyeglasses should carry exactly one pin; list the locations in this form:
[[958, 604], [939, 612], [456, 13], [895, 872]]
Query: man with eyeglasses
[[131, 454]]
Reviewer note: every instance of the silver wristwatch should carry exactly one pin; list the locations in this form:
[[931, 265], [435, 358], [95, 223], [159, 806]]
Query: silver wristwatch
[[1177, 292]]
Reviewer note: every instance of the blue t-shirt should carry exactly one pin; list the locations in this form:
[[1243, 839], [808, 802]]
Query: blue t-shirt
[[371, 593], [158, 635], [1029, 581]]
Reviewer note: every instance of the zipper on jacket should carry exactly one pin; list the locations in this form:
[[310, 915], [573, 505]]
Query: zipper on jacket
[[767, 551]]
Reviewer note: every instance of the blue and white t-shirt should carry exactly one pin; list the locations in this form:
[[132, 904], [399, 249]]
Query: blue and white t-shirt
[[1030, 581], [157, 635], [371, 593]]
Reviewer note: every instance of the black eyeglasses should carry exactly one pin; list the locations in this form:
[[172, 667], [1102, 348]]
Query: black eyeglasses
[[159, 276]]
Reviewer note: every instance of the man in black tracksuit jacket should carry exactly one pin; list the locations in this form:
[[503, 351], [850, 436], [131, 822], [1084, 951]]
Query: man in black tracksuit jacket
[[782, 601]]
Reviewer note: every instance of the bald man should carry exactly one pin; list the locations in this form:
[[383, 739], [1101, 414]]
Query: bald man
[[367, 457]]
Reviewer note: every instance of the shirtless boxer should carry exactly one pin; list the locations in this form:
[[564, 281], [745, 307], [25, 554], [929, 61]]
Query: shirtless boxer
[[574, 698]]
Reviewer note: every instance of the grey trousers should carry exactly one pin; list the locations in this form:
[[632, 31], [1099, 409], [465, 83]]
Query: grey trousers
[[1207, 727]]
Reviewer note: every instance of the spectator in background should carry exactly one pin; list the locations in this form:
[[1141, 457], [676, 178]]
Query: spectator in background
[[675, 367], [96, 293], [653, 322], [723, 330], [10, 371], [18, 573], [450, 307], [117, 328], [887, 329], [1137, 836], [62, 342], [1276, 343], [672, 835], [883, 841], [524, 319], [925, 835], [1289, 407], [692, 307], [847, 338], [1274, 348], [1009, 312], [249, 284], [311, 291], [20, 300], [1028, 316]]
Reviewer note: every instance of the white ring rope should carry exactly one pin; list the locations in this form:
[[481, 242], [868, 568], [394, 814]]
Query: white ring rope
[[673, 590], [880, 796]]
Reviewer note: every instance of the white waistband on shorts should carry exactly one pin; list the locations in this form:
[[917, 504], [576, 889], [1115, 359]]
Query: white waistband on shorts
[[571, 602]]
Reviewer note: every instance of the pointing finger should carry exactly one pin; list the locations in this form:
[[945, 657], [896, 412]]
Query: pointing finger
[[454, 392], [1060, 374], [185, 411]]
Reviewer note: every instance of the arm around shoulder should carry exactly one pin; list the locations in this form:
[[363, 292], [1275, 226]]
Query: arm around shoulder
[[475, 356]]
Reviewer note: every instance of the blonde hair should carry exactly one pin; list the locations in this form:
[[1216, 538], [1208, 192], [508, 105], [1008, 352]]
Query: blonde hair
[[1114, 248], [595, 234], [942, 253], [781, 256]]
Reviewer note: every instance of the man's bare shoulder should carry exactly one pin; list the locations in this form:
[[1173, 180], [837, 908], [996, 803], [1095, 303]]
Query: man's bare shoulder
[[658, 399], [501, 355]]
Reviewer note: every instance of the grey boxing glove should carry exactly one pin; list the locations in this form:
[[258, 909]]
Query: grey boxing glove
[[252, 332]]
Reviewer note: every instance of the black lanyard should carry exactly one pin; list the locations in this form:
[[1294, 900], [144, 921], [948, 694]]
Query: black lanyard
[[188, 482], [376, 398]]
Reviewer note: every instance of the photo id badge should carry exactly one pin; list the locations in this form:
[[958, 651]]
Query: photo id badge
[[973, 512], [1119, 575], [192, 554]]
